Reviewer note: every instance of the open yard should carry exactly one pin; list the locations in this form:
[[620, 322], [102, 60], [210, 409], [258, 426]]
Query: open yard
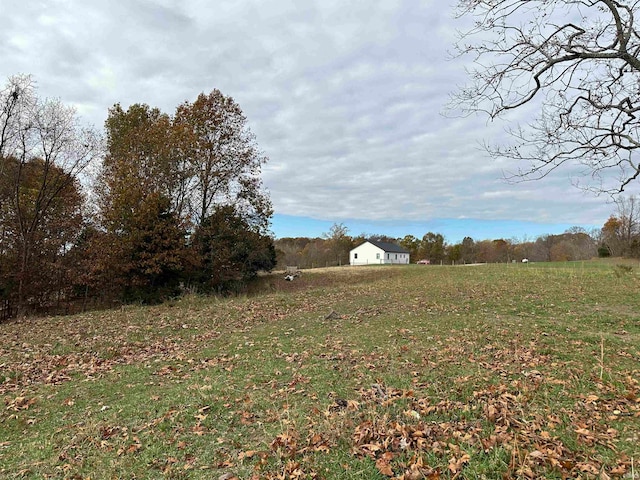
[[493, 371]]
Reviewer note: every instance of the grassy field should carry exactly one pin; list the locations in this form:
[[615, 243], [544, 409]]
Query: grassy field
[[494, 371]]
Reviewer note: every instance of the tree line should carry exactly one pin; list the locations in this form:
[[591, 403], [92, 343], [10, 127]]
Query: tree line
[[619, 237], [155, 204], [433, 247]]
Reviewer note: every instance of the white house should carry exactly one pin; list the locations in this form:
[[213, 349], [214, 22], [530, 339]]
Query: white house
[[373, 252]]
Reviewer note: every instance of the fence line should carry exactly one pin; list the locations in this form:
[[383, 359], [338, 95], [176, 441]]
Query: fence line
[[5, 310]]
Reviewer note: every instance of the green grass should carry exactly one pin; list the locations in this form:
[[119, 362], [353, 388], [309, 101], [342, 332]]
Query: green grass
[[521, 371]]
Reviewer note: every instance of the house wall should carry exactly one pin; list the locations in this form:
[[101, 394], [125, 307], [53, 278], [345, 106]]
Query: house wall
[[365, 254], [369, 254], [402, 258]]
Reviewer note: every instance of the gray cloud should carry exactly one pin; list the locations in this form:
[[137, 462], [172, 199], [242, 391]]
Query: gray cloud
[[344, 98]]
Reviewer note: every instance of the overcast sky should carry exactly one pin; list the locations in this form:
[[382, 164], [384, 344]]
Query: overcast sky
[[345, 98]]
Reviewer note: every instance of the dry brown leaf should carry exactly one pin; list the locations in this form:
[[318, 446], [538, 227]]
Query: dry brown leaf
[[456, 464], [383, 464]]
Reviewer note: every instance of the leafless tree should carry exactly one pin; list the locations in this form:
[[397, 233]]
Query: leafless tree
[[621, 232], [577, 64], [17, 101], [629, 217]]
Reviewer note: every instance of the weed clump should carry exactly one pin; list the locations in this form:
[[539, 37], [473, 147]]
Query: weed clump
[[622, 270]]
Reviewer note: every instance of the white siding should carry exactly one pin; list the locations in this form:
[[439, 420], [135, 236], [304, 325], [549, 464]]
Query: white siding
[[402, 258], [369, 254], [366, 254]]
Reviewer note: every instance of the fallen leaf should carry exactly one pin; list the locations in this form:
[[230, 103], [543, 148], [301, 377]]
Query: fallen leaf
[[456, 464]]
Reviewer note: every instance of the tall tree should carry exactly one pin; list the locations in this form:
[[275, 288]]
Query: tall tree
[[142, 250], [156, 256], [339, 243], [454, 253], [583, 245], [577, 63], [502, 249], [612, 236], [290, 251], [468, 250], [41, 138], [18, 102], [432, 247], [542, 248], [138, 162], [629, 215], [183, 174], [485, 251], [621, 232], [223, 158]]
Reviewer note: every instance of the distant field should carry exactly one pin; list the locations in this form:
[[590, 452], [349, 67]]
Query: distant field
[[494, 371]]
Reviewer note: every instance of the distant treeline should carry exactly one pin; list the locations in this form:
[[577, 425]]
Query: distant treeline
[[619, 236], [320, 252]]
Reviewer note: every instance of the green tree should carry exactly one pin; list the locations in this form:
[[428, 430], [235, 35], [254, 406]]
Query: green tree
[[144, 242], [228, 251], [432, 247], [468, 250], [412, 245], [156, 250], [454, 253]]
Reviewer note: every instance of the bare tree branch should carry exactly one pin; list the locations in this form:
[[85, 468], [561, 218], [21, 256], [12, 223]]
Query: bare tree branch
[[577, 61]]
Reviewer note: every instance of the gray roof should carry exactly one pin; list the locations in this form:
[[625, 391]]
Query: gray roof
[[388, 247]]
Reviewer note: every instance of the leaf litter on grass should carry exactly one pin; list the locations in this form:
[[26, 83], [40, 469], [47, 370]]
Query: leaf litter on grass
[[444, 384]]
